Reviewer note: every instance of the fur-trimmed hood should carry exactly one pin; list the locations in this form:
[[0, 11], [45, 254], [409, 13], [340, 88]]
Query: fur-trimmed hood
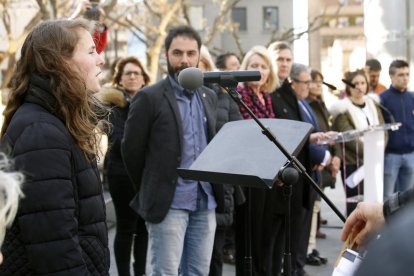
[[345, 105], [112, 96], [339, 107]]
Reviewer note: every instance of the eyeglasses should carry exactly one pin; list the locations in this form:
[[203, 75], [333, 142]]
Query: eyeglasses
[[132, 73], [304, 82]]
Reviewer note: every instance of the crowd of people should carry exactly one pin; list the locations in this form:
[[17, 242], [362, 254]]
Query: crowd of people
[[168, 224]]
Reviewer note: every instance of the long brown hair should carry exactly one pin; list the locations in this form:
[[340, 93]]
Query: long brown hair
[[46, 52]]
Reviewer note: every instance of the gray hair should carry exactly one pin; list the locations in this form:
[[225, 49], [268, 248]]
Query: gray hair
[[279, 46], [297, 69], [10, 193]]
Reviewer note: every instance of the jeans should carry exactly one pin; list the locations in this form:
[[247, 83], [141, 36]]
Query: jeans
[[181, 244], [398, 168]]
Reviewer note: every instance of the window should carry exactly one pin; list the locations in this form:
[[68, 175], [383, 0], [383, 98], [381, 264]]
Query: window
[[196, 17], [239, 15], [270, 18]]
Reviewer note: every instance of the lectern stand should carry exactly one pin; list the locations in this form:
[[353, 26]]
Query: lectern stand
[[243, 169], [240, 155], [374, 145]]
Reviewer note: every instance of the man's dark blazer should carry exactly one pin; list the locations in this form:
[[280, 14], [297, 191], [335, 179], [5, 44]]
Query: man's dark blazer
[[152, 147], [285, 106]]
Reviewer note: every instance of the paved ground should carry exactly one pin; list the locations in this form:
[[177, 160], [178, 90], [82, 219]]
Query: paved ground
[[329, 247]]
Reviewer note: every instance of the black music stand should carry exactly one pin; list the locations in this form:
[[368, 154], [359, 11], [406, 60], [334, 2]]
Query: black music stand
[[240, 155]]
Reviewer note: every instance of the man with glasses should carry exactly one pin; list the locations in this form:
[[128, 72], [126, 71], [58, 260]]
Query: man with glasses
[[286, 106]]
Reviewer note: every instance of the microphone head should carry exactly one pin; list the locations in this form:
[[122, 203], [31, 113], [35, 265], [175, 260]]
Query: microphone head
[[350, 84], [330, 86], [190, 78], [290, 175]]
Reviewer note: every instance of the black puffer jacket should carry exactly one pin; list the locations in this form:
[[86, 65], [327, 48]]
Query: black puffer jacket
[[60, 227]]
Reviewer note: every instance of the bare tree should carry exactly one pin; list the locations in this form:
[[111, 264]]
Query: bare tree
[[147, 20], [150, 20], [313, 25], [44, 10]]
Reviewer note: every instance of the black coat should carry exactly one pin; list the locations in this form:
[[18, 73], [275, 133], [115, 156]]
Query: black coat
[[152, 147], [285, 106], [60, 228], [118, 100]]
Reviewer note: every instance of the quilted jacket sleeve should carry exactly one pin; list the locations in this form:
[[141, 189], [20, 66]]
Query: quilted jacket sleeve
[[47, 215]]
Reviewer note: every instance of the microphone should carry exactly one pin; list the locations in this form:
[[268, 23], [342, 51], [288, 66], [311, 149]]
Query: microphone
[[350, 84], [192, 78], [392, 119], [330, 86], [290, 175]]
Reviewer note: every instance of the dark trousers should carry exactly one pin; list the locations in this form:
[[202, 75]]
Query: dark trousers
[[274, 237], [129, 228], [216, 265], [256, 237], [305, 223]]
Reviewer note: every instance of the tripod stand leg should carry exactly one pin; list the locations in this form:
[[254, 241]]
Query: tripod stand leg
[[248, 234]]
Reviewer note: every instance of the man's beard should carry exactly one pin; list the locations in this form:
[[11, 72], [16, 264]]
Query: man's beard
[[174, 72]]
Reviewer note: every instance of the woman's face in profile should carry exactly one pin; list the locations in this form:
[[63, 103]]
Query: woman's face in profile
[[87, 60]]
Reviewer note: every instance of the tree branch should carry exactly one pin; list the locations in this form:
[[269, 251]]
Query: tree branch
[[224, 10]]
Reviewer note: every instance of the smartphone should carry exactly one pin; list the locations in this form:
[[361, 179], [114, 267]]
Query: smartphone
[[93, 12]]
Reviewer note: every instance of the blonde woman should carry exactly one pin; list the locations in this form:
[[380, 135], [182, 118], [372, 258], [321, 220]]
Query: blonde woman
[[256, 93]]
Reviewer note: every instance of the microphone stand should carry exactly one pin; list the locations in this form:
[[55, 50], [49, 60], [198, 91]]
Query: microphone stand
[[229, 84]]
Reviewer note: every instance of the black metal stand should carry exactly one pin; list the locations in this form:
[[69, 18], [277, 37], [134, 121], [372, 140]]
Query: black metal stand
[[248, 262], [229, 85], [289, 176]]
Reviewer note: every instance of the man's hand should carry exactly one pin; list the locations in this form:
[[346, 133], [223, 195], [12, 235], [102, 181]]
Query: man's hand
[[81, 9], [367, 218], [318, 137]]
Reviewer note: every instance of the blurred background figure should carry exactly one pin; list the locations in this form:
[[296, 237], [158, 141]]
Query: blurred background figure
[[319, 157], [228, 62], [227, 111], [399, 152], [10, 193], [328, 174], [373, 70], [90, 10], [356, 111], [129, 77]]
